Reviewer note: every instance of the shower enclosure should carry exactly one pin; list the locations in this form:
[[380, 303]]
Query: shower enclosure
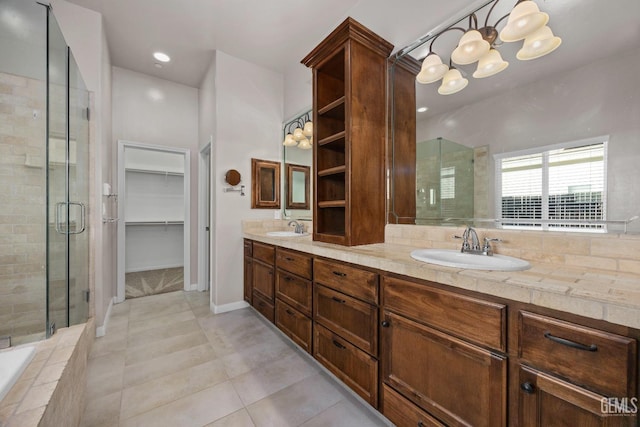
[[44, 177]]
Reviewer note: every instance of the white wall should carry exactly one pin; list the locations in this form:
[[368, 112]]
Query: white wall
[[247, 124], [83, 30], [159, 112], [574, 105]]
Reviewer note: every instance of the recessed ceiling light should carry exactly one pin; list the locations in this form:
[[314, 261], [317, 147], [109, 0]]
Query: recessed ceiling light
[[422, 109], [162, 57]]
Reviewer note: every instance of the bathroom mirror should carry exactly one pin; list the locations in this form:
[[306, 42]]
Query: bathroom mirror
[[301, 157], [584, 90], [265, 184], [297, 186]]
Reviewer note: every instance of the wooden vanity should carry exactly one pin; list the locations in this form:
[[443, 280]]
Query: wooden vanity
[[429, 354]]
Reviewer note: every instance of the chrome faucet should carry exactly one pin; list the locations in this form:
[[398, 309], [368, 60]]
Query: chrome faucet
[[299, 228], [474, 247]]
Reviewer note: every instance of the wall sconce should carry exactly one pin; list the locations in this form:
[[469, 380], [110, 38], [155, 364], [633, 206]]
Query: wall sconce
[[299, 132], [525, 22]]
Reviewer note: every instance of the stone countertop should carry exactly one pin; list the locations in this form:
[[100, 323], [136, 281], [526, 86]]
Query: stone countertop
[[597, 294]]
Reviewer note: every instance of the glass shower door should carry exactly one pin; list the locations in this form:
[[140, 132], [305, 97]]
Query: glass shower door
[[78, 183], [68, 187]]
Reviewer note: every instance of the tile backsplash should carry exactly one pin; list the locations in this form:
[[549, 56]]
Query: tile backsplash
[[613, 252]]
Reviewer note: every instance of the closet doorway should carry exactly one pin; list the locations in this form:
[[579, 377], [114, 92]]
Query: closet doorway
[[153, 212]]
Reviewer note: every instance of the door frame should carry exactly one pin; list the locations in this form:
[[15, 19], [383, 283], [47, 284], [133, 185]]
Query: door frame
[[121, 246], [204, 196]]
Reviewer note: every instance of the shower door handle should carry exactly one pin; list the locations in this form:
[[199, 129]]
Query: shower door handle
[[83, 211], [59, 207]]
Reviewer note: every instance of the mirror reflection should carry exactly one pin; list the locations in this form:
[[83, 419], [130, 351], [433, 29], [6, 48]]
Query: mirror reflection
[[298, 159], [552, 142]]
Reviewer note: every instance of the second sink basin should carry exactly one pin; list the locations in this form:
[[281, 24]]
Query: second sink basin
[[285, 234], [457, 259]]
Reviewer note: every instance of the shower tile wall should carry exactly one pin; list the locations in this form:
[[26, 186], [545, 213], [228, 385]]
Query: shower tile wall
[[22, 208]]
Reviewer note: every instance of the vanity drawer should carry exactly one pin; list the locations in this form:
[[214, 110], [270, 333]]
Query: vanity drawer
[[402, 412], [473, 319], [350, 318], [263, 280], [263, 252], [248, 248], [599, 360], [294, 324], [351, 365], [352, 281], [294, 262], [294, 291], [263, 306]]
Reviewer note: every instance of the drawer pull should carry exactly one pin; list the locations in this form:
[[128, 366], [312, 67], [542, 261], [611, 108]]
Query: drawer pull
[[337, 344], [336, 299], [527, 388], [288, 258], [570, 343], [420, 424], [385, 323], [288, 279], [337, 273], [289, 312]]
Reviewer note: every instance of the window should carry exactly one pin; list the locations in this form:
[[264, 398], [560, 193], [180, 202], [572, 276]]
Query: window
[[558, 187]]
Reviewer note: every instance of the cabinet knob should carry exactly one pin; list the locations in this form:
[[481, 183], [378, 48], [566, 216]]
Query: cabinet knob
[[385, 323], [420, 424], [527, 387]]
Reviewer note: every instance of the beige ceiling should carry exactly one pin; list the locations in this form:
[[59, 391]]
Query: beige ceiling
[[272, 33]]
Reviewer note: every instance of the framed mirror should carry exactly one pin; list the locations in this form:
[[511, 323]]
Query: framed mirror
[[265, 184], [464, 145], [297, 186]]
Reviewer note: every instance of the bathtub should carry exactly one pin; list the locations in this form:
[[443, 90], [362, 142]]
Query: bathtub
[[12, 363]]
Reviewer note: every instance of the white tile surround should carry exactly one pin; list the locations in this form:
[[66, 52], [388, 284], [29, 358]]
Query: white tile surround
[[596, 276]]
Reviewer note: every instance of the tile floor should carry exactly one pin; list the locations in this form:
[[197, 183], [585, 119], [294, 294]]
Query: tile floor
[[168, 361]]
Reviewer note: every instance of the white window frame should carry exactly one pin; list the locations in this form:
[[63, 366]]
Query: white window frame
[[604, 140]]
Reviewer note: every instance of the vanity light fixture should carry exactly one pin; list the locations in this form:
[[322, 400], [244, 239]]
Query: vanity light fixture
[[299, 132], [525, 22]]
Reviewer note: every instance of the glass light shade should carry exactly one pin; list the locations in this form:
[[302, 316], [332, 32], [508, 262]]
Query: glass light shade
[[538, 44], [432, 69], [470, 48], [524, 19], [308, 129], [304, 144], [289, 141], [490, 64], [452, 82], [298, 134]]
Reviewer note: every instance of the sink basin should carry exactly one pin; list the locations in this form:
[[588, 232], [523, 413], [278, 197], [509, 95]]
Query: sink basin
[[457, 259], [285, 234]]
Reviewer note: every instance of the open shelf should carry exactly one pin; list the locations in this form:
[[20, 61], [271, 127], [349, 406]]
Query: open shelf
[[334, 109], [337, 138], [154, 172], [332, 171], [155, 222], [332, 204]]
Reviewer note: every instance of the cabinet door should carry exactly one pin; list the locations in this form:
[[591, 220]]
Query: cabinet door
[[545, 401], [457, 382], [263, 280], [248, 279]]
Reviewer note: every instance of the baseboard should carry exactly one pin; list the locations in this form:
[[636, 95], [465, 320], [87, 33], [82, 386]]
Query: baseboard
[[217, 309], [193, 287], [102, 330]]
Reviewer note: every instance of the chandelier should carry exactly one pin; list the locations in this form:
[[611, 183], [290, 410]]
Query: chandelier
[[525, 22], [299, 132]]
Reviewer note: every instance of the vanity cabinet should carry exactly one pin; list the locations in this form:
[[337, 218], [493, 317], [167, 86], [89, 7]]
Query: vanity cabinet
[[263, 279], [349, 116], [568, 370], [293, 296], [444, 353], [345, 312], [248, 271]]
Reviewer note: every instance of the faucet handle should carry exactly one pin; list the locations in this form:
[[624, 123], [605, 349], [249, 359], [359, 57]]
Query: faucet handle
[[489, 239], [455, 236]]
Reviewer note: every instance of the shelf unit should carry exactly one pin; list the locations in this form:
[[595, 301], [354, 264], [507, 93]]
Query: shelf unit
[[349, 115]]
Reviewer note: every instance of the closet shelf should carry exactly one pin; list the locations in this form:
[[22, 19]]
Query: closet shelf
[[154, 172], [332, 204], [154, 222]]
